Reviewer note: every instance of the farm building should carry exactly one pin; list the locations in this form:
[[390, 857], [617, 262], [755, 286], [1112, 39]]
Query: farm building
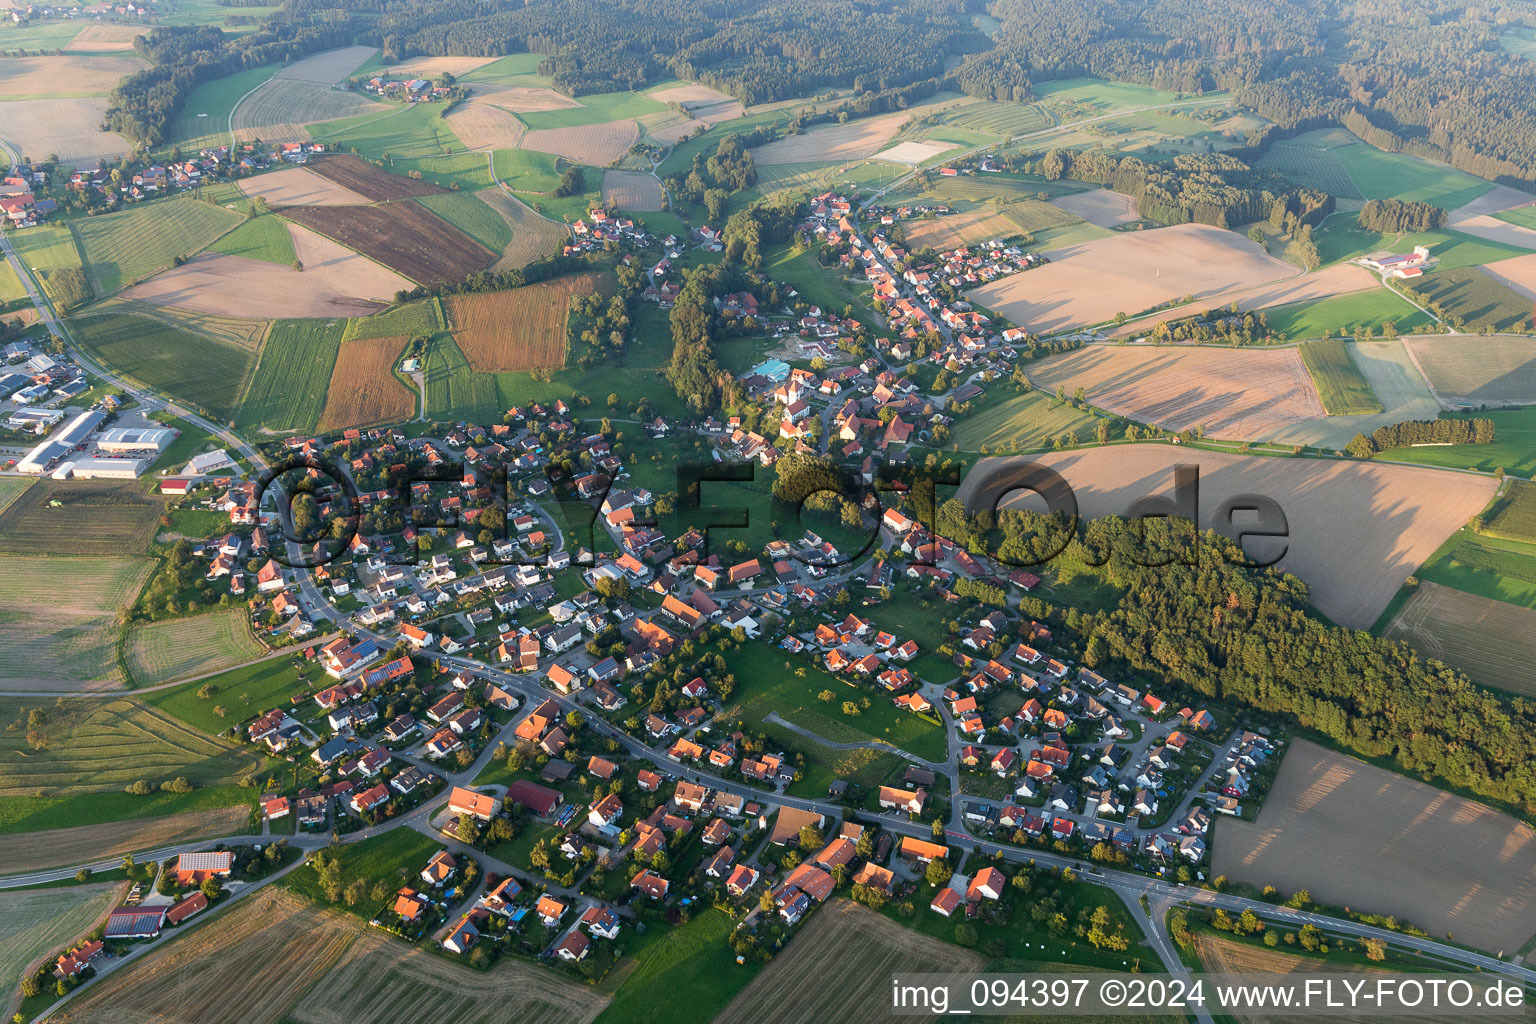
[[101, 469], [135, 922], [192, 868]]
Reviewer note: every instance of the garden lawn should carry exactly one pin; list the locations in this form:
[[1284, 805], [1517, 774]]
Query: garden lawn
[[764, 684], [244, 692], [689, 969]]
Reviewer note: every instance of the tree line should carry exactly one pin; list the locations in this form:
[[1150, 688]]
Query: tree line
[[1412, 432]]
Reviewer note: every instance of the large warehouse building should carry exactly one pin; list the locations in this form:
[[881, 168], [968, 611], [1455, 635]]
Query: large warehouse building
[[135, 439]]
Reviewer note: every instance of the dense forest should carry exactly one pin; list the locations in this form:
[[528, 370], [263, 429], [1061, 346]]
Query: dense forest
[[1400, 216], [1216, 629], [1208, 188]]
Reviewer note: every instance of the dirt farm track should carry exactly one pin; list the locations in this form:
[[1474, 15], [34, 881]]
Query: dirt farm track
[[1358, 835], [1357, 530]]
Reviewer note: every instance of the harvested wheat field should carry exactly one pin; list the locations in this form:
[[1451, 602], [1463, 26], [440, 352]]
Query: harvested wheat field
[[910, 153], [1361, 836], [373, 183], [1518, 273], [37, 923], [70, 128], [520, 329], [484, 126], [852, 141], [632, 190], [104, 39], [1477, 370], [979, 225], [431, 67], [533, 236], [1225, 956], [596, 145], [1239, 394], [1496, 230], [31, 851], [705, 104], [41, 77], [1339, 279], [522, 99], [364, 389], [405, 237], [1357, 530], [300, 186], [329, 67], [335, 282], [839, 968], [1491, 641], [1102, 206], [248, 966], [1090, 282], [384, 981]]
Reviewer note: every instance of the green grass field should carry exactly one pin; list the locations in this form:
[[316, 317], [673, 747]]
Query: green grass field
[[1102, 96], [1475, 299], [45, 249], [11, 488], [595, 108], [690, 969], [130, 245], [190, 366], [1343, 313], [263, 238], [526, 171], [243, 692], [287, 391], [410, 139], [515, 69], [67, 641], [1311, 159], [379, 858], [1341, 386], [41, 922], [10, 286], [1031, 420], [1504, 570], [423, 316], [1381, 175], [1513, 516], [159, 652], [998, 119], [465, 211], [106, 743], [33, 813], [1341, 238], [204, 118], [1524, 216], [1513, 448]]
